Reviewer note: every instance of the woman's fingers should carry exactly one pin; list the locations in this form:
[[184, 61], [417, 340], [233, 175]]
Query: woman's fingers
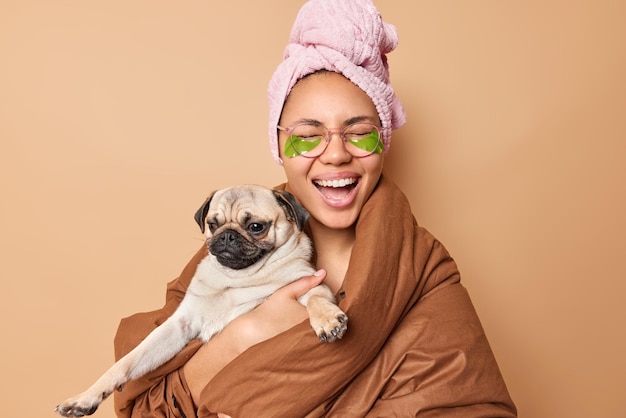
[[302, 285]]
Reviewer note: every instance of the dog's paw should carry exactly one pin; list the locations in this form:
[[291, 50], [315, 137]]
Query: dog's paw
[[80, 405], [330, 326]]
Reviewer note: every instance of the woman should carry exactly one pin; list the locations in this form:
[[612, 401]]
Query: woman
[[414, 344]]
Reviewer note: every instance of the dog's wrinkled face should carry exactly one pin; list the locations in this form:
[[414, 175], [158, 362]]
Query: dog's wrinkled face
[[244, 224]]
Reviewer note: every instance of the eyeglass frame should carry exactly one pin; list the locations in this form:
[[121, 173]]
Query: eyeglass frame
[[328, 136]]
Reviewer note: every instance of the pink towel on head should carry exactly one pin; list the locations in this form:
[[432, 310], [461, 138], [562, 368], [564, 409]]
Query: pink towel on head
[[343, 36]]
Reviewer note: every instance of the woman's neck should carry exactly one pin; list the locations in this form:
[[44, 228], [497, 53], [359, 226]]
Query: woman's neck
[[333, 248]]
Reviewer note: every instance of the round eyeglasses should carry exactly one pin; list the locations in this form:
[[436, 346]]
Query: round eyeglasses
[[311, 139]]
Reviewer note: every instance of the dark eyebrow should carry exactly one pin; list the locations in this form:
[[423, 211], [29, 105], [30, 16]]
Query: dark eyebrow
[[308, 121], [359, 119], [347, 122]]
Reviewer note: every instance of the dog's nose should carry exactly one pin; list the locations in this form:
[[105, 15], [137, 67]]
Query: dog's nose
[[227, 237]]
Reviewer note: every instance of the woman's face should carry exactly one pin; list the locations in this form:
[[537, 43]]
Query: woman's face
[[334, 186]]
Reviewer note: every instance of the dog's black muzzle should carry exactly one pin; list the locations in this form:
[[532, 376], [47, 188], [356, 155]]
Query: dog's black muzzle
[[234, 251]]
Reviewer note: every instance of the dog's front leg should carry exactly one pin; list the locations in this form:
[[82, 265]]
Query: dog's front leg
[[328, 321], [158, 347]]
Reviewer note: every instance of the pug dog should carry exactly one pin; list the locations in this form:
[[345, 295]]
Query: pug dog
[[256, 245]]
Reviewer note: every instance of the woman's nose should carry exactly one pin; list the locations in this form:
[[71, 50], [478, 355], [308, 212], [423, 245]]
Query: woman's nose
[[335, 152]]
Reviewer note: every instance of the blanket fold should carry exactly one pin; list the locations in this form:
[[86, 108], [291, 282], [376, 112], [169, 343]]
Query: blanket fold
[[414, 343]]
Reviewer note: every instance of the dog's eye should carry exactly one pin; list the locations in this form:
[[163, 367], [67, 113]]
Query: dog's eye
[[212, 225], [256, 228]]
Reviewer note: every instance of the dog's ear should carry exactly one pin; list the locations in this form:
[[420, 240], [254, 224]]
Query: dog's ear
[[293, 209], [201, 213]]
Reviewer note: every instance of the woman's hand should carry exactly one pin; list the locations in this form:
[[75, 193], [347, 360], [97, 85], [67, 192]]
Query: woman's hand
[[280, 312]]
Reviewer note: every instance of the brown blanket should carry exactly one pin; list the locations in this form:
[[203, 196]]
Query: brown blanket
[[414, 345]]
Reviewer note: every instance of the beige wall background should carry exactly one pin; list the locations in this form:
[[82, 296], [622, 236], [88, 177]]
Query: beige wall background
[[118, 118]]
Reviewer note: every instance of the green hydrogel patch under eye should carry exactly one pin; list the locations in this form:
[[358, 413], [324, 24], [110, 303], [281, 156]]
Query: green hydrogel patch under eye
[[369, 143], [300, 144]]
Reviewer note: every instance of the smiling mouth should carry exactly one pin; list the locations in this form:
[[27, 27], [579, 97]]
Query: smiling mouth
[[336, 189]]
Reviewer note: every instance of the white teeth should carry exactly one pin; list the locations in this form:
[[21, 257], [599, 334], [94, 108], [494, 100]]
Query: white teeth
[[335, 183]]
